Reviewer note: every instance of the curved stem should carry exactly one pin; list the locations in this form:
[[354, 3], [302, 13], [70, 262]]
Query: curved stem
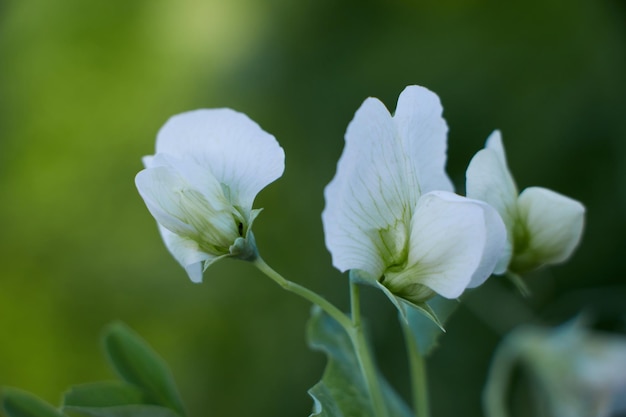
[[417, 367], [364, 355], [305, 293], [352, 327], [498, 379]]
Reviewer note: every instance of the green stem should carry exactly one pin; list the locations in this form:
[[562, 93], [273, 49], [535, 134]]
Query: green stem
[[352, 327], [305, 293], [364, 355], [417, 367]]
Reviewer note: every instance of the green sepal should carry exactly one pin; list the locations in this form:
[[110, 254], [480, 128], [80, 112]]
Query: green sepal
[[404, 307], [18, 403], [342, 391], [425, 330], [135, 410], [425, 320], [136, 363]]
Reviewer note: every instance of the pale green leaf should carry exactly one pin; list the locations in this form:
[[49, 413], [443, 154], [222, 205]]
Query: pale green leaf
[[18, 403], [104, 394], [136, 363]]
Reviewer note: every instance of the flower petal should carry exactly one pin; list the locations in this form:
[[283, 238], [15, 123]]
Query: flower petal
[[191, 175], [374, 190], [154, 186], [488, 179], [233, 147], [497, 253], [494, 142], [448, 240], [423, 132], [554, 225], [187, 253], [183, 210]]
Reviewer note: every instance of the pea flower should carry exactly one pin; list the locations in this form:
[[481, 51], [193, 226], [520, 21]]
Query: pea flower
[[543, 227], [571, 371], [201, 183], [391, 217]]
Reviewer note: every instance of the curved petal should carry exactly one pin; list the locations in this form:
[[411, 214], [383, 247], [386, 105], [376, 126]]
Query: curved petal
[[554, 224], [448, 240], [183, 210], [233, 147], [373, 191], [153, 185], [488, 179], [423, 131], [494, 142], [187, 253], [191, 175], [497, 252]]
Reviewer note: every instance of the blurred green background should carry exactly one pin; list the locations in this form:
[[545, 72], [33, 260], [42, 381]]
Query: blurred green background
[[84, 87]]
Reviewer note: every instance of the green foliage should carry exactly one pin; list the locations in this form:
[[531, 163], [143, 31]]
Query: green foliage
[[342, 391], [136, 363], [148, 389], [103, 394], [133, 410], [18, 403]]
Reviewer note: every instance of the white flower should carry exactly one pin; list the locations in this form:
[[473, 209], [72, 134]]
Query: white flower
[[200, 185], [543, 227], [572, 371], [390, 215]]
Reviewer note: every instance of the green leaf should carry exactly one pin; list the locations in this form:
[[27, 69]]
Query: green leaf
[[423, 327], [18, 403], [342, 391], [124, 411], [136, 363], [104, 394]]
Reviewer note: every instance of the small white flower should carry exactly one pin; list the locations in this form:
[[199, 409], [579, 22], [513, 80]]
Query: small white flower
[[543, 227], [201, 183], [390, 215]]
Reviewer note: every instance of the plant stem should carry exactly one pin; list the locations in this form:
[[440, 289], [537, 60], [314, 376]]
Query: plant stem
[[305, 293], [417, 367], [364, 355], [352, 327]]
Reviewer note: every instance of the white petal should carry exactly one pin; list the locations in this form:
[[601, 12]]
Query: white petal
[[489, 180], [148, 161], [191, 175], [187, 253], [553, 221], [374, 189], [448, 240], [237, 152], [155, 187], [423, 132], [494, 142], [497, 252]]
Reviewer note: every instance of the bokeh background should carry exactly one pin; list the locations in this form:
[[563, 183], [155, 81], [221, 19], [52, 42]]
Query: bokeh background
[[84, 87]]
